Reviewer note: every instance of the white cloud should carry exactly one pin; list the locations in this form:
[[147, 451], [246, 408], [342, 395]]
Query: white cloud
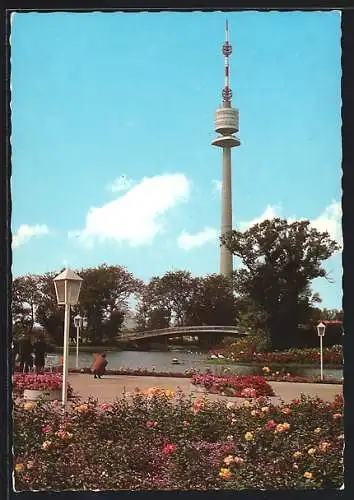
[[137, 216], [119, 184], [217, 185], [270, 212], [25, 233], [188, 241], [329, 220]]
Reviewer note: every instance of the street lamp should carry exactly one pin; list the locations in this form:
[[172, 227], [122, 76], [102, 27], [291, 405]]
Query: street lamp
[[321, 328], [78, 321], [67, 288]]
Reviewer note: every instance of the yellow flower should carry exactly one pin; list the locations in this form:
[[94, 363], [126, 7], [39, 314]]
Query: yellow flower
[[46, 445], [308, 475], [225, 473], [230, 405], [266, 369], [246, 404], [286, 426], [317, 430], [248, 436], [83, 408], [29, 405], [19, 467], [265, 409], [311, 451], [169, 393], [297, 454]]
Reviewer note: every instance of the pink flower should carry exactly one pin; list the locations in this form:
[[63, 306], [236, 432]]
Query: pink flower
[[150, 424], [46, 428], [105, 406], [168, 448], [270, 425]]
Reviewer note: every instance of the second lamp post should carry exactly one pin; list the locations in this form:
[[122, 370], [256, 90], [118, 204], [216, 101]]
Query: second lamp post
[[78, 321]]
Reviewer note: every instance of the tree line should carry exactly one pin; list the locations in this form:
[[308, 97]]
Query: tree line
[[270, 293]]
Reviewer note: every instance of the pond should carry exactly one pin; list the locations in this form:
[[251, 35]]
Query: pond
[[162, 361]]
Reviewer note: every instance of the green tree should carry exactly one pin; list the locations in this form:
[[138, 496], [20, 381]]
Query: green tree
[[48, 313], [24, 300], [165, 300], [280, 259], [105, 291], [212, 302]]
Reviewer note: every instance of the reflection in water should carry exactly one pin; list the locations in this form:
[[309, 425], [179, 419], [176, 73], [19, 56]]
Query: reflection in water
[[162, 361]]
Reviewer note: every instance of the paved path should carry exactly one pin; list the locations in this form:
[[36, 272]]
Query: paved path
[[113, 386]]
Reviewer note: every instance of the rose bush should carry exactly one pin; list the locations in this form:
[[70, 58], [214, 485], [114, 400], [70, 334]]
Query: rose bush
[[38, 381], [241, 386], [233, 352], [155, 441]]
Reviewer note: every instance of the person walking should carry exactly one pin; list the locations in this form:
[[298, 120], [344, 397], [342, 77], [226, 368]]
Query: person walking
[[25, 354], [39, 349], [99, 365]]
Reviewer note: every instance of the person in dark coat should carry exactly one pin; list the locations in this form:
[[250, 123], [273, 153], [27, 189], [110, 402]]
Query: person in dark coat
[[14, 354], [25, 353], [39, 349], [99, 365]]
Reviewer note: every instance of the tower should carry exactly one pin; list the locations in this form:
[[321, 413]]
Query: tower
[[226, 124]]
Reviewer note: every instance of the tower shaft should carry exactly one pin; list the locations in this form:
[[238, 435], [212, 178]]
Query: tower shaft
[[226, 211]]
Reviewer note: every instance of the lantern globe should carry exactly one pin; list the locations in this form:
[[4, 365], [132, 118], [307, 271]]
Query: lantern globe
[[321, 328], [78, 321], [67, 287]]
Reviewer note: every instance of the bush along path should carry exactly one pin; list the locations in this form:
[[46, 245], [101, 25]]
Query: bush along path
[[161, 440]]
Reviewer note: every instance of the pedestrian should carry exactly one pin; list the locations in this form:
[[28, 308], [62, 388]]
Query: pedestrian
[[14, 354], [99, 365], [25, 354], [39, 349]]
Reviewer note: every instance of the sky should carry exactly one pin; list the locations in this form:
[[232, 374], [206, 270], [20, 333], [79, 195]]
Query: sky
[[112, 120]]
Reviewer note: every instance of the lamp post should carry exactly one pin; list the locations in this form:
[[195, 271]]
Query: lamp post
[[321, 328], [78, 320], [67, 288]]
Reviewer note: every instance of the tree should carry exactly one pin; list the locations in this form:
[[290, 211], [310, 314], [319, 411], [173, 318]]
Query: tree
[[280, 259], [113, 324], [105, 290], [48, 313], [212, 302], [164, 300], [25, 296]]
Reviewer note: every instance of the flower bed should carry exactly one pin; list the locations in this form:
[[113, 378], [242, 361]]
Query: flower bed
[[331, 355], [160, 441], [38, 382], [239, 386]]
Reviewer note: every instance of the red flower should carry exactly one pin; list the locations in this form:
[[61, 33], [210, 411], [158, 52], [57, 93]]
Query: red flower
[[270, 425], [168, 449]]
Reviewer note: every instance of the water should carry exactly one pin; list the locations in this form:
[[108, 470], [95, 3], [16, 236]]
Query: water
[[162, 361]]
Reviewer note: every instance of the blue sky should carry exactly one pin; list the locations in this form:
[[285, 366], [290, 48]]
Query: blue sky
[[112, 119]]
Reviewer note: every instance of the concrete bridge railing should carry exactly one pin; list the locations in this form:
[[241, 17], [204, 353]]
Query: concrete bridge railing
[[183, 331]]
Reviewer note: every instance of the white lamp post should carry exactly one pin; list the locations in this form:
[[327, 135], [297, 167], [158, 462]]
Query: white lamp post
[[78, 323], [321, 328], [67, 288]]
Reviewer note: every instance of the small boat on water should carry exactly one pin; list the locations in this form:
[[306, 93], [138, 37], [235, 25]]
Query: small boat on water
[[175, 361]]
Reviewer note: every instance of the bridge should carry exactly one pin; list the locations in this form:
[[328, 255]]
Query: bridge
[[211, 334]]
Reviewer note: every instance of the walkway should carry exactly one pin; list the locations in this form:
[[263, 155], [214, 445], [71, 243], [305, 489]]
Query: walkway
[[113, 386]]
